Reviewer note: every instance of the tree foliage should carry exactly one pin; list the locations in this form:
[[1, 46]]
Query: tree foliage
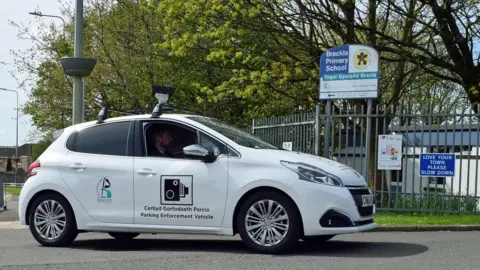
[[244, 59]]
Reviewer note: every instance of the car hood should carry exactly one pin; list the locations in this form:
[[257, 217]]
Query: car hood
[[347, 174]]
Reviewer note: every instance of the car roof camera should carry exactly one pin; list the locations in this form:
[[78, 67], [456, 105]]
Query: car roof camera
[[161, 93]]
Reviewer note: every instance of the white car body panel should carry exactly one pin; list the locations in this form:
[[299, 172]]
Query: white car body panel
[[87, 183], [202, 206], [218, 186]]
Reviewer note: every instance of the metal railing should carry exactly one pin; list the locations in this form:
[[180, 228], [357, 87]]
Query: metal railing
[[422, 130], [288, 129]]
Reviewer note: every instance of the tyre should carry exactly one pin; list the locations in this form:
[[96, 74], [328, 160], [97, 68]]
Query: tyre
[[123, 236], [269, 222], [52, 222], [317, 239]]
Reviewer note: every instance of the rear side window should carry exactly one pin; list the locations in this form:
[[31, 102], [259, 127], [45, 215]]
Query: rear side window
[[104, 139]]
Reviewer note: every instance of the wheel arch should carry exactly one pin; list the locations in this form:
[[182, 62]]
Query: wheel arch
[[252, 191], [43, 192]]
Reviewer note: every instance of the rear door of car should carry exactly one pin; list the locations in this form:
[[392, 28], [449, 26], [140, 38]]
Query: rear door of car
[[98, 168]]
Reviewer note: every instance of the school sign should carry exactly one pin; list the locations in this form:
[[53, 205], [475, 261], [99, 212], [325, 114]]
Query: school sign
[[349, 72]]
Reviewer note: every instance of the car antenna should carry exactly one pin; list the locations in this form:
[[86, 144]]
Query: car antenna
[[161, 93]]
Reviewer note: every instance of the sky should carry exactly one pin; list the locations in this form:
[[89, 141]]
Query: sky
[[17, 11]]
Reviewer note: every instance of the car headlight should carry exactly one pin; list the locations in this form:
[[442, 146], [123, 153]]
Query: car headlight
[[313, 174]]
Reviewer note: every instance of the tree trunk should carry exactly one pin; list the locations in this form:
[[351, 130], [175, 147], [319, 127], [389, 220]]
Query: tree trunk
[[472, 87]]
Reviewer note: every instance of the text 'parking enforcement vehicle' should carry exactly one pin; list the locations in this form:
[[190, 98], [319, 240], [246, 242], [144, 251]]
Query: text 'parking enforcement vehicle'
[[191, 174]]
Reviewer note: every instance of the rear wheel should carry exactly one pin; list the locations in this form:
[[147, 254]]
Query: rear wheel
[[268, 222], [52, 222], [121, 236]]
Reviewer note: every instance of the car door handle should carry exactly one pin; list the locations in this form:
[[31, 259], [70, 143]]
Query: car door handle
[[146, 172], [77, 166]]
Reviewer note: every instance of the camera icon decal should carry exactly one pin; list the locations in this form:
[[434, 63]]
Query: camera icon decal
[[176, 189]]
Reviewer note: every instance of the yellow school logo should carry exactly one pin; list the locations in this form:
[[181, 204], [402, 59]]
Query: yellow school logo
[[361, 59]]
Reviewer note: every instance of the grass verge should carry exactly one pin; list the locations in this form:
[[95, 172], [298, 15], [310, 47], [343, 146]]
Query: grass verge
[[401, 219], [13, 190]]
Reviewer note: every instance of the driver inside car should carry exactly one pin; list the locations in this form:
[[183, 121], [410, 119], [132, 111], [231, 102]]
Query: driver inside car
[[161, 140]]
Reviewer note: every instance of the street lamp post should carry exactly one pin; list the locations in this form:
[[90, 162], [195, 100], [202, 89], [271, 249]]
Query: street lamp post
[[76, 66], [52, 16], [16, 145]]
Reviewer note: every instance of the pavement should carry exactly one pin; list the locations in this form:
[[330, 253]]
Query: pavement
[[9, 214], [380, 250]]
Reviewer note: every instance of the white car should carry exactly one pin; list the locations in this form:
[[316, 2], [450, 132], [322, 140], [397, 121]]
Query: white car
[[98, 177]]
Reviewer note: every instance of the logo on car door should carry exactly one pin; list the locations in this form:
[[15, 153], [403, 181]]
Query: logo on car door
[[104, 194], [177, 190]]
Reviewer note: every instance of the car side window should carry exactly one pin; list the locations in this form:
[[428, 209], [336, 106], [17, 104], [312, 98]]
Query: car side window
[[167, 139], [210, 143], [104, 139]]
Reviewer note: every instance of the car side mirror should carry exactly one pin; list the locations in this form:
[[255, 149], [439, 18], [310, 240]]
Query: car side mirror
[[199, 152]]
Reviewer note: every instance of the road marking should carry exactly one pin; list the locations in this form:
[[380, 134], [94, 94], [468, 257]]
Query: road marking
[[5, 225]]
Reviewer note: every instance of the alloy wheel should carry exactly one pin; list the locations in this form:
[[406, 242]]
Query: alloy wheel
[[49, 219], [267, 222]]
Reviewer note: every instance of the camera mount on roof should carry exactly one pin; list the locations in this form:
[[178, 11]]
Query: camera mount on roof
[[103, 114], [161, 93]]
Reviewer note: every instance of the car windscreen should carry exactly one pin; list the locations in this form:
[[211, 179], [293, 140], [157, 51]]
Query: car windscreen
[[239, 136]]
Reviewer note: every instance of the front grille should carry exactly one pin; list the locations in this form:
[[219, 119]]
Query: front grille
[[358, 190], [365, 211], [357, 193]]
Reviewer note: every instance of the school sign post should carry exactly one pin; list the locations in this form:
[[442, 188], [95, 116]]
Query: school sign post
[[348, 72]]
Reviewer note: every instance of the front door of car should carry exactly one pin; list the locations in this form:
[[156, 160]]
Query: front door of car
[[176, 190], [98, 169]]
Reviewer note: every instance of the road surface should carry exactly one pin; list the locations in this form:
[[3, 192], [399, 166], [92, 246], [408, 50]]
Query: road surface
[[419, 250]]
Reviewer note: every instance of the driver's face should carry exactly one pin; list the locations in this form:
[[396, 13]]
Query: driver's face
[[165, 139]]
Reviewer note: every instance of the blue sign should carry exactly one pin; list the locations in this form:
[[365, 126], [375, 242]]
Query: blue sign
[[437, 165], [349, 72]]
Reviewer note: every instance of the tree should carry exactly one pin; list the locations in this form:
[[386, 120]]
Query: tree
[[437, 37], [272, 48], [244, 59]]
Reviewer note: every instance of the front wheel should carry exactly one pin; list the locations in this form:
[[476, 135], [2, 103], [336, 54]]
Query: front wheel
[[52, 222], [268, 222]]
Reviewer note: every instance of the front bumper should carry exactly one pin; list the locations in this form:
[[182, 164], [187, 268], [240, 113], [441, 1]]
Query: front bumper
[[334, 210]]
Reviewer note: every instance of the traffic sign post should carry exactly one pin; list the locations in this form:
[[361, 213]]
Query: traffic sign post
[[437, 165]]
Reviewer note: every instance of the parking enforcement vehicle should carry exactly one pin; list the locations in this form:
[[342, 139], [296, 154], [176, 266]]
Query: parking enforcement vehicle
[[110, 176]]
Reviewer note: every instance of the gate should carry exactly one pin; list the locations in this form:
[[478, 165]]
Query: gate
[[355, 136], [287, 129]]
